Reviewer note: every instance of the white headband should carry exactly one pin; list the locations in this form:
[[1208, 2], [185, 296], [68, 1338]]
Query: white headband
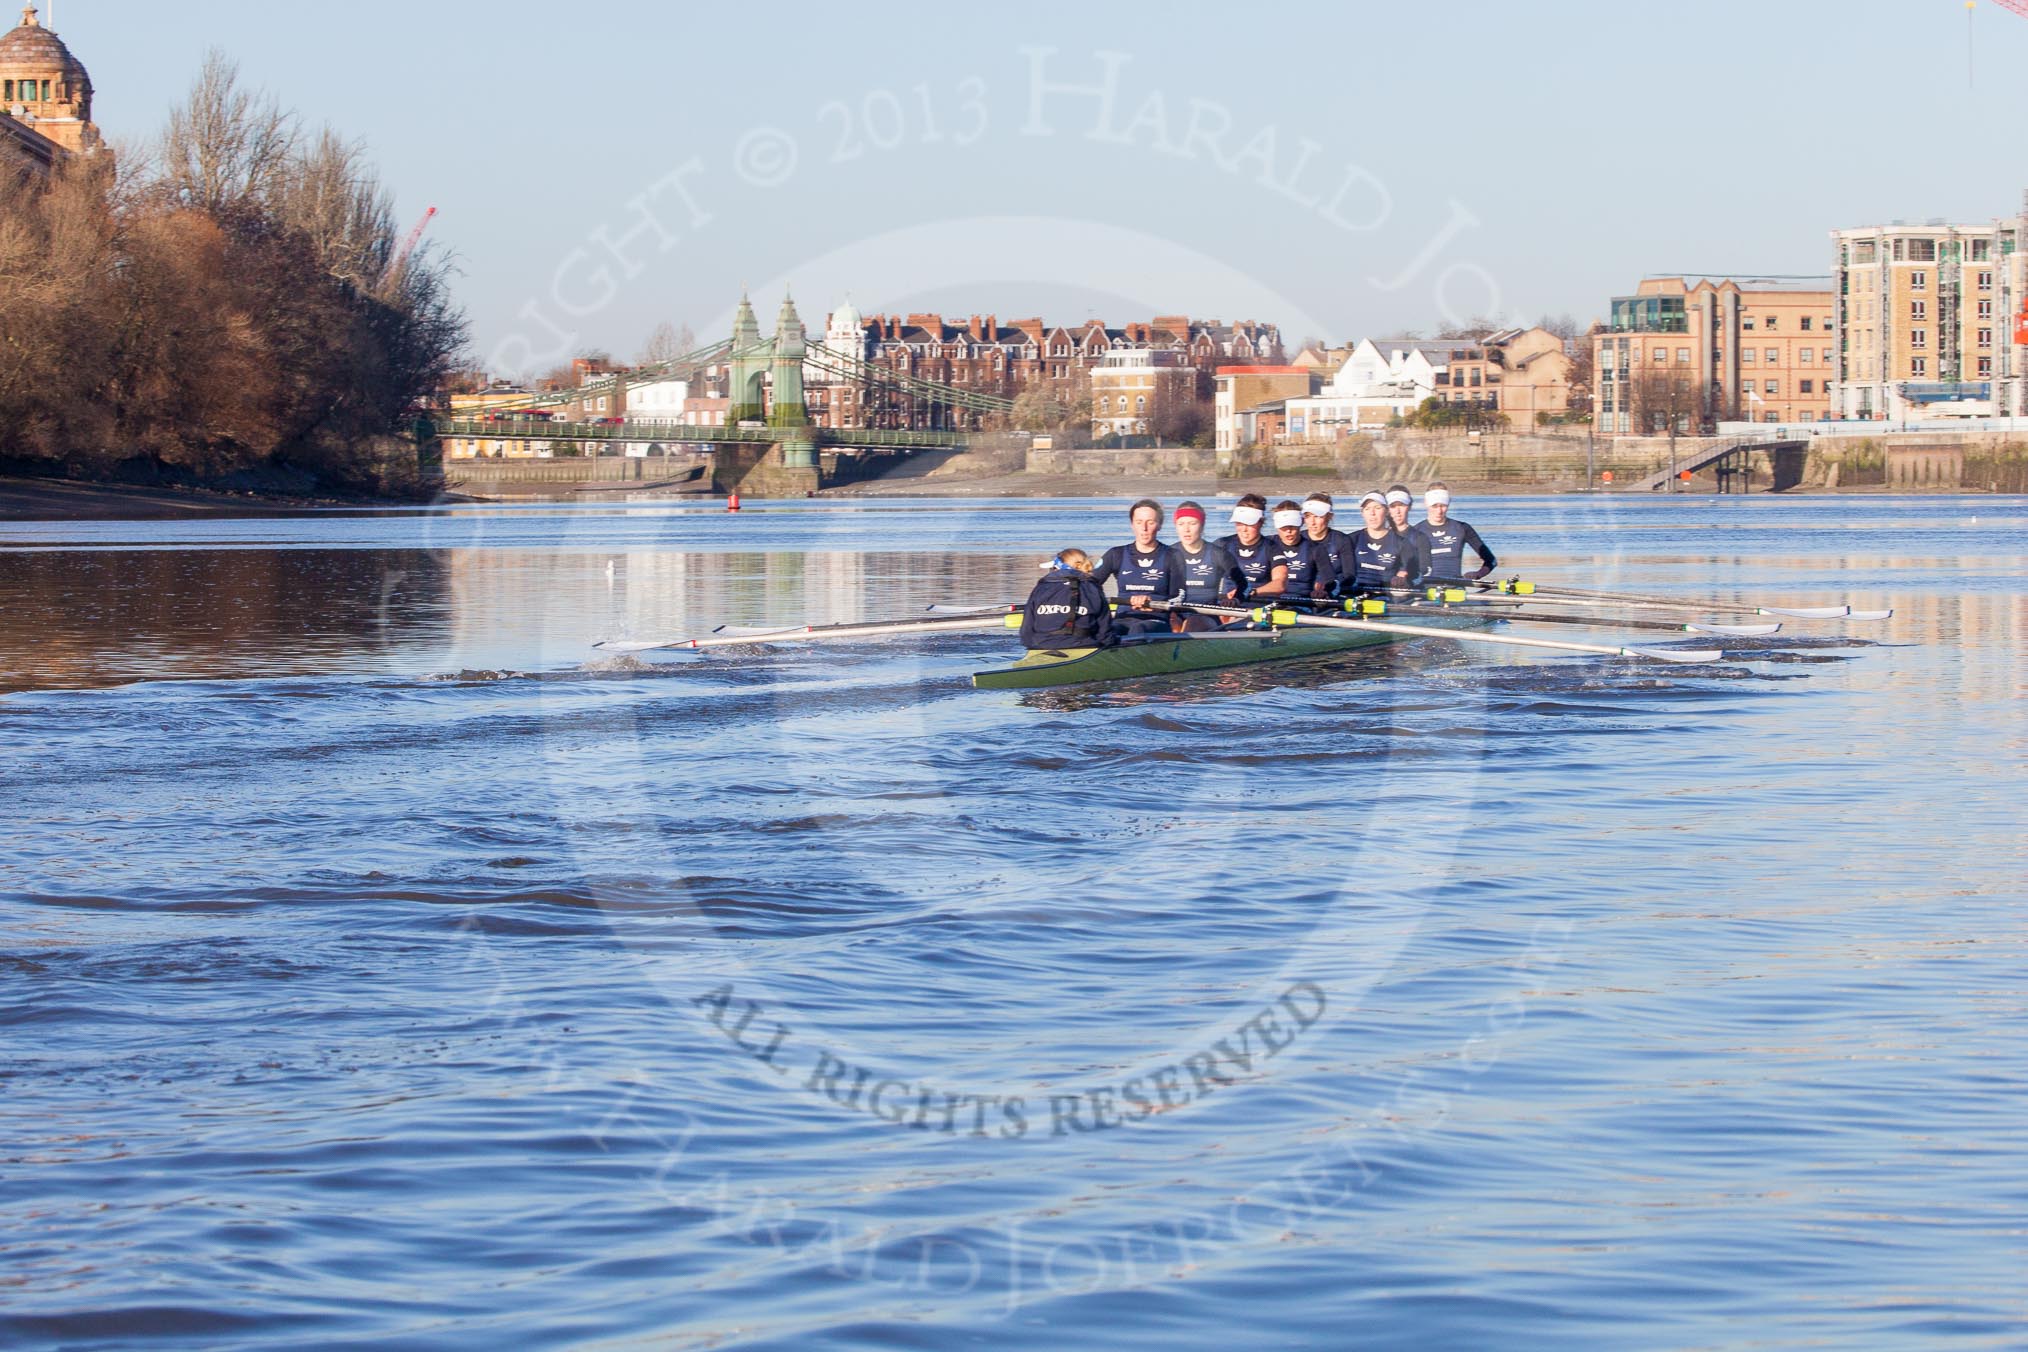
[[1247, 516], [1286, 518], [1395, 495], [1317, 507], [1437, 497], [1373, 497]]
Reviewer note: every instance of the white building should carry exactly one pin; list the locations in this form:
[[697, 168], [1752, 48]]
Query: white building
[[1383, 379], [657, 401]]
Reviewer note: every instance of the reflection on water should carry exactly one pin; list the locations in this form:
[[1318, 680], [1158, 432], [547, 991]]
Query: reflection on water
[[87, 618], [373, 1003]]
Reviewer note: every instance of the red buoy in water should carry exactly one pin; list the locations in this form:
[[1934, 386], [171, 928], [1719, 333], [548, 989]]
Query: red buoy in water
[[732, 503]]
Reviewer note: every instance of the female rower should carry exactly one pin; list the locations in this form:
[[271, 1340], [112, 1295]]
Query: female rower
[[1253, 551], [1399, 501], [1289, 551], [1381, 559], [1141, 571], [1201, 573], [1443, 540], [1067, 609], [1330, 551]]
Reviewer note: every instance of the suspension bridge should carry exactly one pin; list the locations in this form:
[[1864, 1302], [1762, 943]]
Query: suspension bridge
[[772, 445]]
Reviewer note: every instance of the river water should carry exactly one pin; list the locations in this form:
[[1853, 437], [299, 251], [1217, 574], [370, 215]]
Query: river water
[[383, 964]]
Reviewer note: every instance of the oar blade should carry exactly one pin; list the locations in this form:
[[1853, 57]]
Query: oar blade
[[1807, 612], [1735, 630], [1686, 656]]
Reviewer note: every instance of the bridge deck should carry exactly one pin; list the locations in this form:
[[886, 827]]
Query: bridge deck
[[848, 438]]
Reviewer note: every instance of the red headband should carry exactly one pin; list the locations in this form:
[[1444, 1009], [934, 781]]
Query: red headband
[[1182, 512]]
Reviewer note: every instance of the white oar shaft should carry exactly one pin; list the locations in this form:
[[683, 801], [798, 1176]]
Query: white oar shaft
[[1497, 640], [1579, 596], [1540, 597], [809, 632]]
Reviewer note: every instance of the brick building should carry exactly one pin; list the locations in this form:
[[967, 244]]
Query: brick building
[[1523, 374], [1244, 390], [1926, 320], [1007, 359], [1694, 353]]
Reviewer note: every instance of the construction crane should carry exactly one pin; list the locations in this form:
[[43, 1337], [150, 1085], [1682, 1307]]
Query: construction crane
[[394, 265]]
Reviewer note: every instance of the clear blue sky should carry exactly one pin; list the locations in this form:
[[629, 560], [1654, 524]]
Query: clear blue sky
[[1541, 156]]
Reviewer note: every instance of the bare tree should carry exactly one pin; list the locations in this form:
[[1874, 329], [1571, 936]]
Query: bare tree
[[666, 343], [225, 145], [329, 193], [1564, 326], [1478, 326]]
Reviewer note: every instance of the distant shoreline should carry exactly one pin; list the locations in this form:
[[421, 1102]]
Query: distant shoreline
[[67, 500], [28, 499]]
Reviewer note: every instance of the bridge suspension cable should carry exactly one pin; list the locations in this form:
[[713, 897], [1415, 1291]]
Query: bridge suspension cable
[[974, 401]]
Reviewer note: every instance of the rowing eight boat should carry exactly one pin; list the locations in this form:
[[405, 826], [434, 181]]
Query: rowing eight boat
[[1161, 654]]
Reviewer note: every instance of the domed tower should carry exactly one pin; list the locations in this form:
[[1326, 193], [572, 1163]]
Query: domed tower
[[46, 88]]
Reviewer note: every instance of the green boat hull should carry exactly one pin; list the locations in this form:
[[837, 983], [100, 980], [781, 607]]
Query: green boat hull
[[1181, 652]]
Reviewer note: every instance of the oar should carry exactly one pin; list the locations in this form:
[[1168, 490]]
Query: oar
[[1576, 596], [870, 629], [1291, 617], [1513, 610], [973, 612]]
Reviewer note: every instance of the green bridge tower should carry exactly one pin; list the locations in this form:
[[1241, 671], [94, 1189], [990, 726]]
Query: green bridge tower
[[749, 368]]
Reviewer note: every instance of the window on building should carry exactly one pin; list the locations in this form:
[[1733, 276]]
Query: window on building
[[1682, 356], [10, 91], [1748, 354], [1807, 387], [1805, 322], [1985, 281], [1985, 337], [1982, 249], [1827, 356], [1773, 323], [1746, 324], [1806, 355], [1864, 251], [1985, 367], [1140, 403], [1918, 281], [1772, 355], [1918, 366], [1918, 337], [1773, 387], [1922, 251], [1918, 309], [1770, 416], [1661, 355]]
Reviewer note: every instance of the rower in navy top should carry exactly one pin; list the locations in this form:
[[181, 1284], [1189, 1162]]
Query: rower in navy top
[[1329, 551], [1442, 541], [1067, 609], [1202, 573], [1290, 552], [1140, 571], [1399, 501], [1381, 559], [1252, 551]]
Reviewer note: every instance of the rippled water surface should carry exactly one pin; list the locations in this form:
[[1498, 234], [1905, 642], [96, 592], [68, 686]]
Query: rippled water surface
[[382, 963]]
